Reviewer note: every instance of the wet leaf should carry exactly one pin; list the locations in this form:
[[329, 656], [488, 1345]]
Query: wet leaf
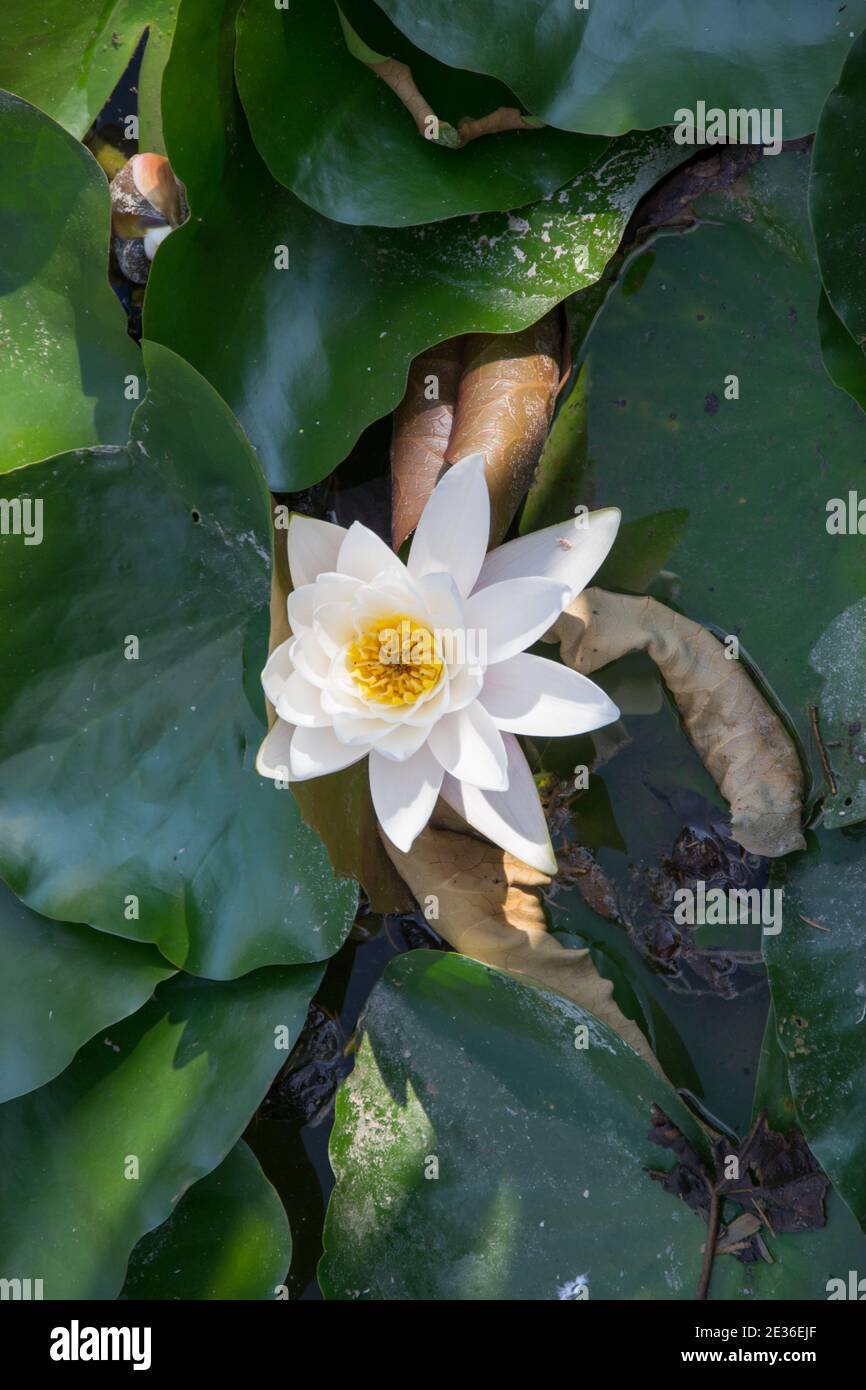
[[68, 59], [101, 1155], [302, 375], [818, 981], [129, 797], [844, 359], [840, 657], [837, 201], [484, 1073], [709, 371], [302, 89], [611, 67], [60, 984], [66, 360], [227, 1238]]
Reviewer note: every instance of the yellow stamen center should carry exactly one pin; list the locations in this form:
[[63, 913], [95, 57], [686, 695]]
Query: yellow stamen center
[[395, 661]]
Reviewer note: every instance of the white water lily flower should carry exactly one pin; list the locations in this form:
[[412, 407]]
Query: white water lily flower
[[423, 667]]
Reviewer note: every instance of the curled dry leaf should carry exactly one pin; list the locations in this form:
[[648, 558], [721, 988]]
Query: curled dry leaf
[[742, 742], [504, 408], [496, 397], [490, 908], [422, 429]]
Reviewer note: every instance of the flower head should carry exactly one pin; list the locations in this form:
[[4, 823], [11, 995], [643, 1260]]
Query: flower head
[[423, 667]]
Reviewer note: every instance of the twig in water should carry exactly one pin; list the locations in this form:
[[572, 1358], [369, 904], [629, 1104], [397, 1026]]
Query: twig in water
[[710, 1246], [822, 751], [810, 923]]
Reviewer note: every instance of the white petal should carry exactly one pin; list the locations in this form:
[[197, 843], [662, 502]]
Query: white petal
[[299, 607], [274, 756], [402, 741], [298, 702], [443, 600], [465, 687], [363, 555], [454, 528], [530, 695], [404, 794], [334, 627], [512, 819], [316, 752], [568, 552], [510, 616], [309, 658], [278, 669], [334, 588], [313, 547], [469, 745], [390, 593], [356, 731]]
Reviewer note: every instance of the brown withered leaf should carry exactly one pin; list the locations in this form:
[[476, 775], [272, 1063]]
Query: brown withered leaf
[[504, 408], [779, 1179], [778, 1184], [488, 906], [741, 741], [738, 1234], [422, 428], [494, 394]]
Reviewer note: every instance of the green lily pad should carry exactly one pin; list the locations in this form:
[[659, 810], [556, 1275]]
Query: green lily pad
[[818, 981], [612, 66], [837, 195], [65, 354], [69, 58], [844, 359], [310, 354], [60, 984], [304, 91], [464, 1078], [132, 707], [227, 1238], [730, 308], [101, 1155], [840, 657]]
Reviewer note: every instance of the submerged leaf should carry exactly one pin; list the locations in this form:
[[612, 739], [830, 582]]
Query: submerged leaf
[[772, 1175], [742, 742]]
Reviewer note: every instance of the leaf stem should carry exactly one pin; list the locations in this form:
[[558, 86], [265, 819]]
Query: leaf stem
[[710, 1247]]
